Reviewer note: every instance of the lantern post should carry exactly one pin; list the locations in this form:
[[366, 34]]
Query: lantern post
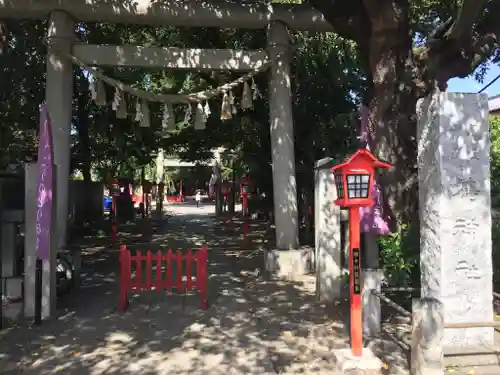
[[146, 190], [180, 197], [225, 189], [354, 179], [245, 184], [114, 191], [160, 196]]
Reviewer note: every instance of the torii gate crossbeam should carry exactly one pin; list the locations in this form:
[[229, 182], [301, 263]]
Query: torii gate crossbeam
[[188, 13]]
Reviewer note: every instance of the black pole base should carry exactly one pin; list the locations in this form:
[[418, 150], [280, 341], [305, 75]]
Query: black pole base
[[38, 292]]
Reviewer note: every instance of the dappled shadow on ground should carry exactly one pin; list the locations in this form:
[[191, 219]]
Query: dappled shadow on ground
[[251, 327]]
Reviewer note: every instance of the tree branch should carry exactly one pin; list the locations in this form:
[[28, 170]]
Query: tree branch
[[347, 17], [453, 50], [467, 15]]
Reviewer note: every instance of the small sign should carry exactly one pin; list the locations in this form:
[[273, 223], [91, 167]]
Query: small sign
[[356, 270]]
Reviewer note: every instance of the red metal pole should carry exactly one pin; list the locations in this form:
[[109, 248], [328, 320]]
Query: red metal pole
[[245, 216], [355, 283], [124, 277], [114, 229], [143, 213]]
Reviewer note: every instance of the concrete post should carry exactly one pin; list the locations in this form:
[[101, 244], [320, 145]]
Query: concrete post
[[8, 245], [282, 140], [455, 212], [427, 356], [327, 234], [372, 313], [370, 251], [59, 95], [372, 280]]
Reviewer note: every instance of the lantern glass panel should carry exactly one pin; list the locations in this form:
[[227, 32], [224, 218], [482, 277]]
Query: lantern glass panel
[[357, 185], [340, 185]]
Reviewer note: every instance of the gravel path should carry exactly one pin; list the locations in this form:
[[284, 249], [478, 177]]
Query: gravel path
[[251, 327]]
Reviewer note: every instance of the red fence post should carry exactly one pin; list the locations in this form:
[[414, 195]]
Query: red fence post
[[159, 281], [180, 285], [202, 277], [149, 270], [189, 272], [168, 259], [124, 277], [137, 286]]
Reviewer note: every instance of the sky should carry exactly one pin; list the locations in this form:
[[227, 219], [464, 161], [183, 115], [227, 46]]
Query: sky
[[471, 85]]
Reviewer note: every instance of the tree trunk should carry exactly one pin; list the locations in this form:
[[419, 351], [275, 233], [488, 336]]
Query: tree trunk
[[393, 106]]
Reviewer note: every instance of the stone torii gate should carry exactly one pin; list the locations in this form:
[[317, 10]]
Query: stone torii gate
[[277, 18]]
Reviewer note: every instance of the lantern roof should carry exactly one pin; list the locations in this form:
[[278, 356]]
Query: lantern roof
[[364, 155], [245, 178]]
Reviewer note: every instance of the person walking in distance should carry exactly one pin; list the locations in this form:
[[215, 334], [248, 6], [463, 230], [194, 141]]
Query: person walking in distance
[[197, 197]]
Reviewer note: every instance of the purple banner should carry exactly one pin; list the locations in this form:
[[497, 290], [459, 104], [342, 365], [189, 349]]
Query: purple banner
[[44, 186], [372, 218]]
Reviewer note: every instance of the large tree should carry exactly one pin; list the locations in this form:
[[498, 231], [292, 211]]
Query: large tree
[[407, 50]]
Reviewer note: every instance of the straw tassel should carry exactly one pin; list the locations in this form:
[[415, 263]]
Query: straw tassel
[[168, 119], [225, 111], [207, 110], [232, 103], [138, 110], [246, 97], [164, 121], [119, 104], [255, 90], [171, 118], [145, 119], [98, 92], [188, 114], [200, 119]]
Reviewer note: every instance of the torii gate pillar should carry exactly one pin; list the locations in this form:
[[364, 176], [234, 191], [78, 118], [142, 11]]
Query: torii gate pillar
[[282, 140], [59, 96]]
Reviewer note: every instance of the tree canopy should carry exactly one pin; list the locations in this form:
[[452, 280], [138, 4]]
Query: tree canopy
[[384, 53], [408, 49]]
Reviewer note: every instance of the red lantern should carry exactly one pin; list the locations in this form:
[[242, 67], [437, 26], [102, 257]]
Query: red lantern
[[245, 186], [354, 180], [114, 187], [225, 187], [147, 186]]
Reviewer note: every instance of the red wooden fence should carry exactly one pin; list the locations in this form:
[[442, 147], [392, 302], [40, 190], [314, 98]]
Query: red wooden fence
[[182, 283]]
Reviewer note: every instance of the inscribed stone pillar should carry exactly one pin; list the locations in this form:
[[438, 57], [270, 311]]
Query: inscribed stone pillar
[[455, 217], [327, 234], [8, 244], [282, 141], [59, 95]]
